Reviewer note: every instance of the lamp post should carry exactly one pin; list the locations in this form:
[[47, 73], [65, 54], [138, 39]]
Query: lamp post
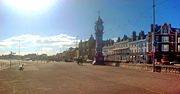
[[77, 47], [19, 53], [153, 36]]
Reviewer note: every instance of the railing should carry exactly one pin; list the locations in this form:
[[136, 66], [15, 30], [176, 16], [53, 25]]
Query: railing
[[149, 67], [5, 64], [170, 68]]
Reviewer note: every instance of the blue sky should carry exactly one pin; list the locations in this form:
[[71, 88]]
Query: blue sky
[[71, 18]]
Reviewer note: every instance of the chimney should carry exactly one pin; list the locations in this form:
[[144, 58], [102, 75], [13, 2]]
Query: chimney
[[169, 25]]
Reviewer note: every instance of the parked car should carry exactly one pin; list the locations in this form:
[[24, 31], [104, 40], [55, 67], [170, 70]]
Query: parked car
[[68, 60], [174, 62]]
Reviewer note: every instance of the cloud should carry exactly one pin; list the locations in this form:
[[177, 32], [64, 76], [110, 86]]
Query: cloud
[[33, 43], [46, 49], [58, 40], [19, 39], [115, 39]]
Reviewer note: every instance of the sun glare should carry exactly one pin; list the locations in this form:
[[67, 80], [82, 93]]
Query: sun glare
[[29, 6]]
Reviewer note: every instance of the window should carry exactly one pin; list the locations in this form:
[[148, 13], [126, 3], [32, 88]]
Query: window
[[131, 51], [157, 38], [165, 47], [178, 48], [172, 39], [157, 47], [165, 29], [178, 39], [140, 44], [165, 39]]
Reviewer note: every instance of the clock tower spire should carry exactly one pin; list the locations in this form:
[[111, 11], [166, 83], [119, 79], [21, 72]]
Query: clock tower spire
[[99, 58]]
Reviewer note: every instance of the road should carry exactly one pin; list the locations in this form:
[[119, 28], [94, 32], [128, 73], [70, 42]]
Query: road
[[70, 78]]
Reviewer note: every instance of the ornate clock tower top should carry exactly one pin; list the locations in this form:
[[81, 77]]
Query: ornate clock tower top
[[99, 20], [99, 25]]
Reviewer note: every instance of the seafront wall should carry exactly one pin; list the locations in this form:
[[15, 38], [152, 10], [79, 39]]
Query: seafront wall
[[149, 67]]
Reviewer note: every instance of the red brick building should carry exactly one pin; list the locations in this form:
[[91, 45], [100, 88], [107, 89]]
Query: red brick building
[[166, 45]]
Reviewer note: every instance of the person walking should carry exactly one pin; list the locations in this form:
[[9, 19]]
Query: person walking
[[21, 67]]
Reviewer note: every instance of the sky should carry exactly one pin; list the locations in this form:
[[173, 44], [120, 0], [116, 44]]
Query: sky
[[52, 26]]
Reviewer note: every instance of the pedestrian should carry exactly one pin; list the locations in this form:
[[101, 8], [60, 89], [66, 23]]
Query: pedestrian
[[81, 61], [78, 60], [21, 67]]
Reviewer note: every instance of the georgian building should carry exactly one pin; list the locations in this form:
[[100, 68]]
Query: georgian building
[[164, 44], [138, 51], [133, 45], [132, 49], [142, 50], [108, 52], [87, 48], [121, 51], [91, 48]]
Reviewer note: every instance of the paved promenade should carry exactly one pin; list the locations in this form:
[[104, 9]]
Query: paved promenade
[[70, 78]]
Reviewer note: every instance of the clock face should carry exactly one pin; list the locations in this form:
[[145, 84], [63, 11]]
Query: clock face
[[99, 27]]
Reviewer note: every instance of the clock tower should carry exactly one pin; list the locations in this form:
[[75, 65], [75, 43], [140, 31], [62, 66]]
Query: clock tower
[[99, 58]]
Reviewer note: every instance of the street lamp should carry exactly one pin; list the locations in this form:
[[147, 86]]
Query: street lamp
[[153, 35], [19, 53], [77, 47]]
